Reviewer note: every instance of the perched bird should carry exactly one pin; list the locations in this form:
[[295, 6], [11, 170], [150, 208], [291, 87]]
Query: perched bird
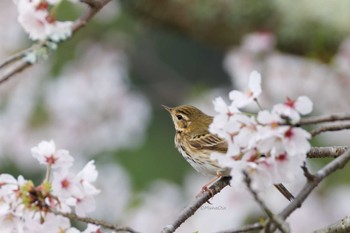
[[196, 143]]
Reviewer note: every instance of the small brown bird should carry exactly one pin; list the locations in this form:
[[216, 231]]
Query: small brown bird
[[196, 143]]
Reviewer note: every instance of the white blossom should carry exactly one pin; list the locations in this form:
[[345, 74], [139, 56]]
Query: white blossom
[[240, 99], [293, 108], [47, 154], [39, 23]]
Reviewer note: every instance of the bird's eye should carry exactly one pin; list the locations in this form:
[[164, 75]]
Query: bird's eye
[[179, 117]]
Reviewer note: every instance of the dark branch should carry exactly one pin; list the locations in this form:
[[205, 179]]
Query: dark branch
[[19, 68], [326, 152], [328, 128], [195, 205], [94, 221], [324, 119], [307, 173], [15, 57]]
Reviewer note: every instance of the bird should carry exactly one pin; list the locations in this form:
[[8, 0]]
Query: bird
[[196, 144]]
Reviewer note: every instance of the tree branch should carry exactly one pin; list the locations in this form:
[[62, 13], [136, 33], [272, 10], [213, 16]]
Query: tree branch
[[195, 205], [326, 152], [328, 128], [15, 57], [325, 118], [19, 68], [94, 7], [311, 184], [248, 228], [341, 226], [102, 223]]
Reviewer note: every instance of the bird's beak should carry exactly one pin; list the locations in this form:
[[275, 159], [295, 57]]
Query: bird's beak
[[167, 108]]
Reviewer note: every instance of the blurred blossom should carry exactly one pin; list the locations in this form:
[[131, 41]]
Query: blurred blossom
[[92, 107], [11, 38], [292, 76], [159, 206], [37, 20], [289, 76], [89, 108], [259, 42], [114, 182], [19, 98]]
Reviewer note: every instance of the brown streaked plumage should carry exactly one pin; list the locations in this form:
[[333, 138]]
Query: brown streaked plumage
[[196, 143]]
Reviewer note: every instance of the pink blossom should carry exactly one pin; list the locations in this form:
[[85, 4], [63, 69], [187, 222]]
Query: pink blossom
[[240, 99], [47, 154], [65, 184], [224, 124], [293, 108], [296, 140]]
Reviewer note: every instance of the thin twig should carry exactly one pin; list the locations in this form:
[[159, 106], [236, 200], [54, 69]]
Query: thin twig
[[307, 173], [15, 57], [24, 65], [102, 223], [275, 219], [325, 118], [244, 229], [195, 205], [328, 128], [326, 152], [94, 7], [341, 226]]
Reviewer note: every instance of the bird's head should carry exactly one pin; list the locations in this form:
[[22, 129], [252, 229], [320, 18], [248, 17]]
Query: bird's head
[[188, 118]]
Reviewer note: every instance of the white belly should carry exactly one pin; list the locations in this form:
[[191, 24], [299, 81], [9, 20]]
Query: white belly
[[205, 167]]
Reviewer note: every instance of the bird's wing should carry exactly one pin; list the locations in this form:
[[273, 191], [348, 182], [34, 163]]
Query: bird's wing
[[209, 141]]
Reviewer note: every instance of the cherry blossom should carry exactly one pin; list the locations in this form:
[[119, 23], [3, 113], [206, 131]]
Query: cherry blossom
[[293, 108], [65, 184], [239, 99], [39, 23], [25, 207], [46, 154], [265, 145], [223, 125]]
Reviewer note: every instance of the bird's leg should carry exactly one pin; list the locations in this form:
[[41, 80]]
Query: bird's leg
[[206, 186]]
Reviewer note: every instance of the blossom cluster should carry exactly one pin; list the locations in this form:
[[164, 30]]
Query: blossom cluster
[[25, 207], [38, 19], [268, 145]]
